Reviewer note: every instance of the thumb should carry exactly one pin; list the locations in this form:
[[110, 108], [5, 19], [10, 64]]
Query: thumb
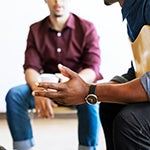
[[66, 71], [54, 104]]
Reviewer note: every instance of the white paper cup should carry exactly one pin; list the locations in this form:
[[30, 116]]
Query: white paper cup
[[48, 77]]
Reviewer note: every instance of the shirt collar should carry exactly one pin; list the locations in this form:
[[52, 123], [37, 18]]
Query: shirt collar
[[70, 22], [127, 7]]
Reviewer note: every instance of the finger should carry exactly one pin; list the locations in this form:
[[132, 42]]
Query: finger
[[54, 104], [55, 96], [44, 93], [38, 112], [43, 84], [44, 108], [48, 85], [50, 107], [48, 113]]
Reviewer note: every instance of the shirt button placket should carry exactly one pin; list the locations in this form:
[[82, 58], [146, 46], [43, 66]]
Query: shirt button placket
[[59, 49], [59, 34]]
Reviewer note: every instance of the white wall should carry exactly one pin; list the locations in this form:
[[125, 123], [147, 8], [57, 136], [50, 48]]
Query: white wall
[[17, 15]]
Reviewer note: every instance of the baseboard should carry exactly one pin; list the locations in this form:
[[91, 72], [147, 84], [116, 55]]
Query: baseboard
[[60, 112]]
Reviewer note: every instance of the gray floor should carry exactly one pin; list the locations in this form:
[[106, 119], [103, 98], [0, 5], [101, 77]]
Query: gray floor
[[50, 134]]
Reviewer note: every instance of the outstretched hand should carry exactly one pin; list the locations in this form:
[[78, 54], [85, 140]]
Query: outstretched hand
[[71, 92]]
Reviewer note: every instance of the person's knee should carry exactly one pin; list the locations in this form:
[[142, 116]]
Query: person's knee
[[124, 119], [127, 123], [13, 98], [10, 95], [130, 117]]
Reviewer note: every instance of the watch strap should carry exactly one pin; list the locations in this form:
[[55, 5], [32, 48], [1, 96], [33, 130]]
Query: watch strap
[[92, 89]]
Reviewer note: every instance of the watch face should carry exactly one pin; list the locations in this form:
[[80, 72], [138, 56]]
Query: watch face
[[91, 99]]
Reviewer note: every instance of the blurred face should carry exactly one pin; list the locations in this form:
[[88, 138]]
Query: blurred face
[[109, 2], [58, 8]]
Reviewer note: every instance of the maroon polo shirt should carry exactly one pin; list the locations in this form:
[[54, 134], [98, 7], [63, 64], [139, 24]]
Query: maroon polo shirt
[[76, 46]]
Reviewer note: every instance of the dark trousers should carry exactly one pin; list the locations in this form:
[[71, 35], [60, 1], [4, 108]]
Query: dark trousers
[[126, 127]]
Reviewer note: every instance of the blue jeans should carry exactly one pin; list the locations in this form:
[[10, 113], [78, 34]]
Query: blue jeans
[[19, 100]]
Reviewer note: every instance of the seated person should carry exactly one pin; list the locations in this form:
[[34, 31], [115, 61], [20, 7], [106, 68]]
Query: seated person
[[61, 37], [125, 107]]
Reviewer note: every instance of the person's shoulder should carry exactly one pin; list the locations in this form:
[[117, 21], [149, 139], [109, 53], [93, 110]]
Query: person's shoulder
[[39, 23], [82, 21]]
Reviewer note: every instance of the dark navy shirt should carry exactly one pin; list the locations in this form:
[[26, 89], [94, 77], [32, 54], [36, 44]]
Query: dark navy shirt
[[76, 46], [137, 13]]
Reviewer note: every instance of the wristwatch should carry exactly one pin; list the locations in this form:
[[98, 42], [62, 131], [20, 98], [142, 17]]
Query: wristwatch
[[91, 98]]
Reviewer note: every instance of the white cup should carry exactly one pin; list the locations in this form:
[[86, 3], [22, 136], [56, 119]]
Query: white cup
[[48, 77]]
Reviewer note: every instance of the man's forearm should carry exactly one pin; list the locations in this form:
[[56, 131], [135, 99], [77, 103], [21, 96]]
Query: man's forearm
[[74, 91], [88, 75], [129, 92], [31, 77]]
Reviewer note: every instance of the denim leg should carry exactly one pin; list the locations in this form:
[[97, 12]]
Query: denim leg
[[132, 128], [18, 100], [88, 126]]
